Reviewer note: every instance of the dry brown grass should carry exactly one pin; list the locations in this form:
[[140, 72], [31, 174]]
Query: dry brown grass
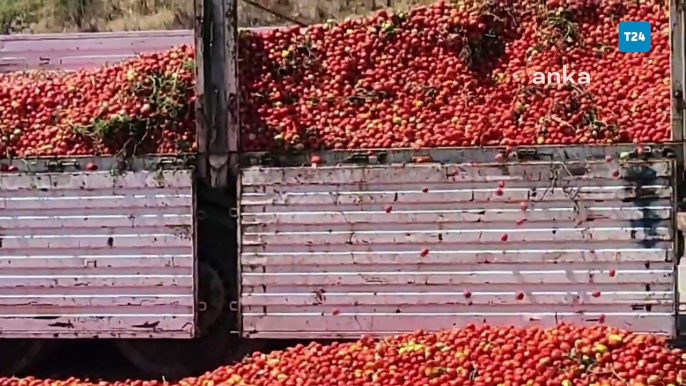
[[111, 15], [131, 15]]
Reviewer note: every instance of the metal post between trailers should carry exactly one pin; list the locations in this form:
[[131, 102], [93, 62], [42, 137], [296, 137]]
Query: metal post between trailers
[[216, 36], [678, 76]]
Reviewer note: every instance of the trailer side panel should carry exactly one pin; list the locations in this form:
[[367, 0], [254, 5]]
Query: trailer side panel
[[341, 251], [82, 50], [97, 255]]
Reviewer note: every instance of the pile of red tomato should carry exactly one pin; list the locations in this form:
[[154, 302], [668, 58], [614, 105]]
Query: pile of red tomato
[[436, 76], [140, 106], [474, 356], [445, 75]]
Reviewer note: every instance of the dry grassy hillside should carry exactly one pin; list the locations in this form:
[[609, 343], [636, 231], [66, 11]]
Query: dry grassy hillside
[[41, 16]]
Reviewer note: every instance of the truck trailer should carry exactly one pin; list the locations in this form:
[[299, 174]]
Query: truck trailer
[[186, 261]]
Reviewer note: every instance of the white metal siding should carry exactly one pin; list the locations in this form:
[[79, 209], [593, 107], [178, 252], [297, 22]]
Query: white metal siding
[[75, 51], [82, 50], [337, 251], [97, 255]]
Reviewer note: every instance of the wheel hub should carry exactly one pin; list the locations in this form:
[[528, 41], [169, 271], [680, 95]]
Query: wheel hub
[[211, 297], [18, 354], [214, 346]]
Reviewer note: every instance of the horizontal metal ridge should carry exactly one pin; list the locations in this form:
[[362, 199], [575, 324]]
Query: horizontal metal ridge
[[116, 325], [494, 194], [431, 237], [476, 298], [503, 255], [458, 278], [168, 179], [344, 325], [553, 172]]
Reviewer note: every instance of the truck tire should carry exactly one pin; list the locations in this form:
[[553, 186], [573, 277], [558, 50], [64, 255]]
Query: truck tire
[[218, 343], [18, 355]]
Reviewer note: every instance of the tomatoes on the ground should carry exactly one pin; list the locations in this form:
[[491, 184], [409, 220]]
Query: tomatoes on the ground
[[474, 356]]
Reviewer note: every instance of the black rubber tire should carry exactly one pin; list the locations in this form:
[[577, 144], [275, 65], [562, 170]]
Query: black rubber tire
[[17, 356], [173, 359], [218, 344]]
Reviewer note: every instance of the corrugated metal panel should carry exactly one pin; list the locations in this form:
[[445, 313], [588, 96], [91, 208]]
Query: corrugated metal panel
[[82, 50], [346, 250], [74, 51], [97, 255]]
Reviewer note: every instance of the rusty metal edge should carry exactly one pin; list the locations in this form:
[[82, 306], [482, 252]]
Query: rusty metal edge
[[200, 123], [678, 77], [76, 164], [461, 155], [116, 35]]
